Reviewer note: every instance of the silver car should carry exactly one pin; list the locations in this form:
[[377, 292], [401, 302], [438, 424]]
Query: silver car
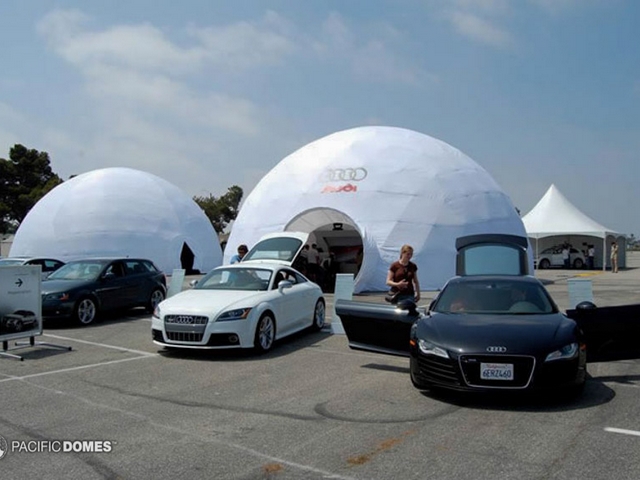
[[48, 265]]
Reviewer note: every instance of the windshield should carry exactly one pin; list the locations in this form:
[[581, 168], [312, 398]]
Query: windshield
[[235, 279], [495, 297], [77, 271]]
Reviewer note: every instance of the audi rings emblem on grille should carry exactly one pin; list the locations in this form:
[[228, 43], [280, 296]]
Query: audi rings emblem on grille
[[496, 349], [343, 174], [185, 319]]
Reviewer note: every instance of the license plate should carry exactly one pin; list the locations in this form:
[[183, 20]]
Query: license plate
[[496, 371]]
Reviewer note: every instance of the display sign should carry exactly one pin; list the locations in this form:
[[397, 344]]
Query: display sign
[[580, 290], [20, 302], [344, 290], [176, 281]]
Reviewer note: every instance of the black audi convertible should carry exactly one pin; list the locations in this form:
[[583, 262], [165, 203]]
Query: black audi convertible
[[494, 327]]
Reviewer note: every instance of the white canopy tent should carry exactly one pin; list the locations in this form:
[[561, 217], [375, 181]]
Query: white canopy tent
[[365, 192], [120, 212], [555, 220]]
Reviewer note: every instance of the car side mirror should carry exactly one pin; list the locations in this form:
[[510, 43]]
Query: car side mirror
[[586, 305], [193, 283], [408, 306], [109, 276], [284, 284]]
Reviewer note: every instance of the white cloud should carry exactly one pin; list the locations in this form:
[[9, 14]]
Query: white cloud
[[170, 101], [488, 6], [12, 124], [480, 29], [246, 44], [376, 62], [335, 36], [10, 116], [139, 47], [151, 106], [557, 6], [373, 58], [478, 20], [134, 69], [481, 20]]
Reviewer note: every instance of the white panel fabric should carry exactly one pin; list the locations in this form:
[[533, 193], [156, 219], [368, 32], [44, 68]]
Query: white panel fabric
[[119, 212], [417, 190]]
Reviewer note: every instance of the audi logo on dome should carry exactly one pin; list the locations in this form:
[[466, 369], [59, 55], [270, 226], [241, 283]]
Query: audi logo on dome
[[496, 349], [343, 174]]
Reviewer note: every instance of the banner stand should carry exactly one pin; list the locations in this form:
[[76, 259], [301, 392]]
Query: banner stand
[[176, 281], [32, 343], [344, 290], [21, 308]]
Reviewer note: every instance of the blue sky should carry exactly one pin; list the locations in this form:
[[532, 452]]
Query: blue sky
[[209, 94]]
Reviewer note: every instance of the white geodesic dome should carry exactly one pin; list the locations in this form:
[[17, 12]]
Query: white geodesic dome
[[120, 212], [379, 188]]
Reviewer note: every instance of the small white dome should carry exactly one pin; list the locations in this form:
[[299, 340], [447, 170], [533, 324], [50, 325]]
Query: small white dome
[[120, 212]]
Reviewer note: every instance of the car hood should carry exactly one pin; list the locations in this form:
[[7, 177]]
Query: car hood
[[209, 302], [55, 286], [521, 333]]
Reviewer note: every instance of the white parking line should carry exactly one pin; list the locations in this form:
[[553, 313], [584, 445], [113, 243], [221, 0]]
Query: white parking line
[[104, 345], [623, 431], [71, 369], [141, 354]]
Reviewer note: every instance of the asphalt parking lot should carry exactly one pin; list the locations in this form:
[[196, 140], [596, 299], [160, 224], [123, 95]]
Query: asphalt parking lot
[[312, 408]]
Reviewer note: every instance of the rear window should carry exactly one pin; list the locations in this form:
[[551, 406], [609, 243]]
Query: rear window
[[139, 266], [492, 260], [280, 248]]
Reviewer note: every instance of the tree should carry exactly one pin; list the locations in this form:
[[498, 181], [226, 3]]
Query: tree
[[24, 179], [221, 211]]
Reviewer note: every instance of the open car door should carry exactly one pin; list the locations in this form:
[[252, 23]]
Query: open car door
[[385, 328], [377, 328], [611, 333]]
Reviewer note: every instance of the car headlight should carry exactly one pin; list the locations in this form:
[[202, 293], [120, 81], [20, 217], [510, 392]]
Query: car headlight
[[235, 314], [568, 351], [429, 348], [156, 312], [62, 297]]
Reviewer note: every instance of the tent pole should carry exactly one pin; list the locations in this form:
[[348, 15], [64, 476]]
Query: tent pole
[[604, 253]]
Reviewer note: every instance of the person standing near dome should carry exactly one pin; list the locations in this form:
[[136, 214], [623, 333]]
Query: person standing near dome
[[614, 257], [403, 276], [242, 251]]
